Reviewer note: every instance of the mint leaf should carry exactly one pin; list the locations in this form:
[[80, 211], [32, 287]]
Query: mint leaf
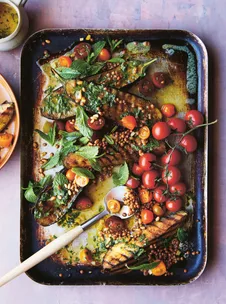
[[81, 121], [95, 165], [88, 152], [30, 194], [116, 60], [83, 172], [121, 177], [34, 189], [148, 266], [182, 235], [97, 48], [70, 136], [58, 183], [50, 137], [52, 162], [67, 73]]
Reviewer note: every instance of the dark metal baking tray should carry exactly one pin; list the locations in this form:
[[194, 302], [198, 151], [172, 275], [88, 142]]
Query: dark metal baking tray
[[48, 271]]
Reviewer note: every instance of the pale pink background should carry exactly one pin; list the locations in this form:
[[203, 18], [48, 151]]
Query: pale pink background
[[205, 18]]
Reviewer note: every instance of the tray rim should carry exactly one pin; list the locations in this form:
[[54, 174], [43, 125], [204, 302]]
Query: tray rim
[[202, 88]]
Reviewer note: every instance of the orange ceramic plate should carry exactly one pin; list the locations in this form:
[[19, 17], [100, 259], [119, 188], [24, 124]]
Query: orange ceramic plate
[[13, 127]]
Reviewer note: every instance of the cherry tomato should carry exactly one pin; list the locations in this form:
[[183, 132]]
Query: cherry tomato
[[85, 256], [83, 202], [129, 122], [146, 160], [81, 181], [149, 179], [145, 196], [147, 216], [5, 140], [113, 206], [160, 80], [171, 175], [174, 205], [70, 175], [146, 87], [70, 126], [171, 158], [158, 209], [82, 50], [160, 130], [115, 224], [189, 143], [160, 149], [177, 124], [194, 118], [137, 170], [168, 110], [65, 61], [159, 194], [96, 124], [60, 125], [144, 132], [132, 183], [178, 189], [159, 270], [104, 55]]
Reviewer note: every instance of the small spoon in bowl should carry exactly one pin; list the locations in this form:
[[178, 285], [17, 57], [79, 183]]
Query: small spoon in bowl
[[117, 193]]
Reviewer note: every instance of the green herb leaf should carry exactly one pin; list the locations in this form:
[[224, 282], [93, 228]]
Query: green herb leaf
[[30, 194], [84, 140], [50, 137], [95, 165], [113, 43], [95, 68], [68, 73], [109, 139], [70, 136], [182, 235], [52, 162], [58, 182], [34, 189], [138, 47], [116, 60], [83, 172], [121, 177], [97, 48], [88, 152], [148, 266], [81, 121]]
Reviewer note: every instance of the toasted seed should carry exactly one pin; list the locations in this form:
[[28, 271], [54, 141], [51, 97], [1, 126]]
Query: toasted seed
[[69, 192], [52, 198], [47, 41], [59, 197]]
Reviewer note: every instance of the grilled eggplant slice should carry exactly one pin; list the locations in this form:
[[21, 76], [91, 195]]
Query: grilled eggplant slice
[[122, 75], [122, 252], [6, 113]]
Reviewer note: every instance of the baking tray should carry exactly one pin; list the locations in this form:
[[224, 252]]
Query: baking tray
[[52, 273]]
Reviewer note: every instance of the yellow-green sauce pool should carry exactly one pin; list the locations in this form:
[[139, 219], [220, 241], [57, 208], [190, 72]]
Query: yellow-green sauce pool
[[8, 20]]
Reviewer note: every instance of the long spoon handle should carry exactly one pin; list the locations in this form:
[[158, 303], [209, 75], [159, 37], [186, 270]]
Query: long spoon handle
[[42, 254]]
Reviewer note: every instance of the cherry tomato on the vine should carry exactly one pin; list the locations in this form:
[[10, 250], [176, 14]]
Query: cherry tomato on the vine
[[159, 194], [174, 205], [189, 143], [168, 110], [132, 183], [145, 195], [150, 179], [178, 189], [160, 130], [171, 175], [177, 124], [158, 209], [146, 160], [171, 158], [194, 118], [137, 170]]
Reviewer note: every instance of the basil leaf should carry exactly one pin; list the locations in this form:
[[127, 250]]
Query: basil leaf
[[67, 73], [97, 48], [121, 177], [182, 235], [81, 121], [95, 165], [148, 266], [138, 47], [58, 183], [109, 139], [50, 137], [88, 152], [52, 162], [116, 59], [83, 172], [30, 194]]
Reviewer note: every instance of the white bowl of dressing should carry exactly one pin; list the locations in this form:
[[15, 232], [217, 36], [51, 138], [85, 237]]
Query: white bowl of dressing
[[15, 24]]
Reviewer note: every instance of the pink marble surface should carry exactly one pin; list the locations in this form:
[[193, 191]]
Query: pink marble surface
[[205, 18]]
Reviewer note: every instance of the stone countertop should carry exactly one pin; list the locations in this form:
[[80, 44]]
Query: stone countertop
[[205, 18]]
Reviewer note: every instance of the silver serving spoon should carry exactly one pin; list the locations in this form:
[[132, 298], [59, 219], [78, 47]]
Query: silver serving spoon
[[63, 240]]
